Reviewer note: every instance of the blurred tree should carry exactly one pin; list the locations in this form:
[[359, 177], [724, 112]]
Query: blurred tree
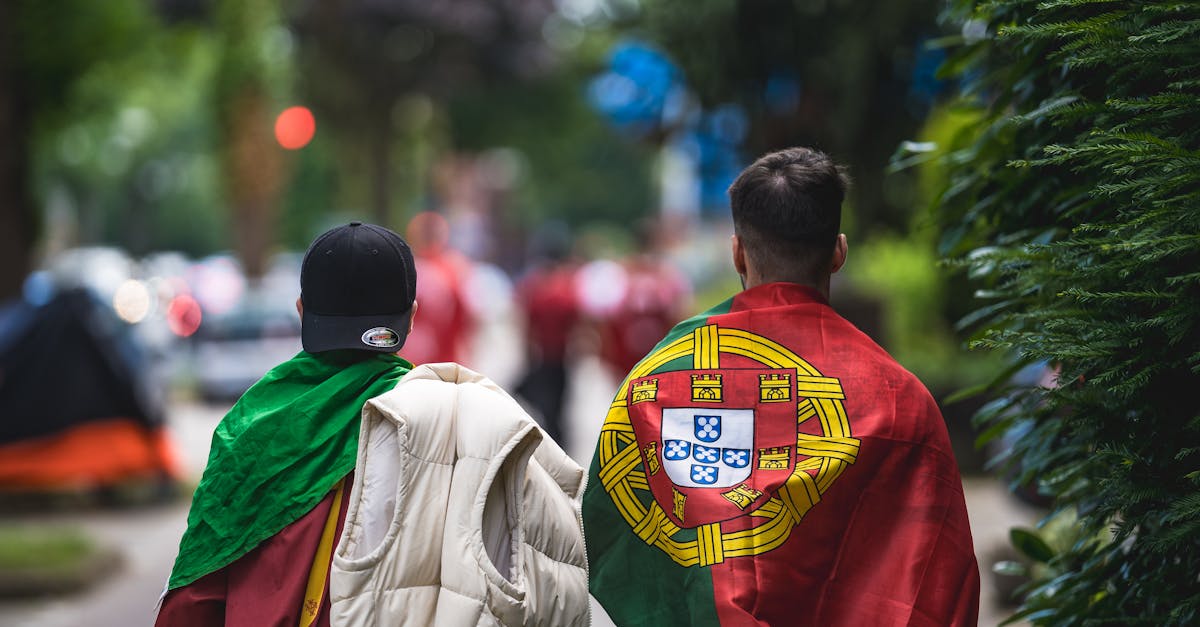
[[365, 59], [309, 203], [246, 93], [43, 50], [129, 119], [130, 161], [573, 166], [17, 230], [111, 135], [838, 75]]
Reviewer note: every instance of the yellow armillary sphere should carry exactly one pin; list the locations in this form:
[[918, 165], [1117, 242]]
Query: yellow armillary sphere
[[623, 475]]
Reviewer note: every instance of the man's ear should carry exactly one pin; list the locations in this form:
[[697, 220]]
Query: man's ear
[[300, 307], [839, 254], [739, 255], [412, 316]]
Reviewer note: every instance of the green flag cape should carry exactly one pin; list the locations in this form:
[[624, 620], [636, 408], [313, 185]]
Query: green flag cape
[[278, 452]]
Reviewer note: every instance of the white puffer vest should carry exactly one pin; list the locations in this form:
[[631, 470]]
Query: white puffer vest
[[462, 512]]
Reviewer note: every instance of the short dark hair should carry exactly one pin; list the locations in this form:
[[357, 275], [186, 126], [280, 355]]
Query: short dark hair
[[787, 211]]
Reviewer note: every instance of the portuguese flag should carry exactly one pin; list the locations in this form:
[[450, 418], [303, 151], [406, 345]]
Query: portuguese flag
[[768, 464], [278, 452]]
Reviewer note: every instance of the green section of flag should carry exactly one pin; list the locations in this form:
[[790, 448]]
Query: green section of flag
[[278, 452], [638, 584], [643, 586]]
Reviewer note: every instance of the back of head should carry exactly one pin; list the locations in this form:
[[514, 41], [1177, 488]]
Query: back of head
[[787, 211], [550, 242], [358, 283], [428, 233]]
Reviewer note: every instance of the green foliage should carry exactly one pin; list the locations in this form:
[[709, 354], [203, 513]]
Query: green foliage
[[1031, 544], [1043, 558], [128, 147], [254, 49], [903, 273], [62, 40], [121, 137], [309, 201], [125, 148], [1075, 207]]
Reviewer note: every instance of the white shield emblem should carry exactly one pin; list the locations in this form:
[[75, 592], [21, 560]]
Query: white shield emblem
[[707, 447]]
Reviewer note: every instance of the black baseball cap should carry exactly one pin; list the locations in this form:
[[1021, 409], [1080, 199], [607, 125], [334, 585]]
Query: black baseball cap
[[357, 284]]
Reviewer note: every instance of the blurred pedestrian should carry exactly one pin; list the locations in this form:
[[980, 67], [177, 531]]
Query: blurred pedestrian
[[547, 295], [652, 295], [767, 463], [443, 331], [330, 451]]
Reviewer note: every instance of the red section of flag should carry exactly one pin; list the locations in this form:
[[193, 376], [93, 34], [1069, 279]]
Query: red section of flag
[[263, 587]]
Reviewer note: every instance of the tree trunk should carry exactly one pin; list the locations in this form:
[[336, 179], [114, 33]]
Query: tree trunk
[[253, 177], [17, 218], [380, 141], [252, 163]]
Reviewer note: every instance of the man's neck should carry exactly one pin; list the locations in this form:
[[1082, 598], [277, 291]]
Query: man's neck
[[753, 279]]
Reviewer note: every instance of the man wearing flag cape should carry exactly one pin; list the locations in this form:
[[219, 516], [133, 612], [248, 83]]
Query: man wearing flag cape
[[267, 511], [767, 463], [348, 487]]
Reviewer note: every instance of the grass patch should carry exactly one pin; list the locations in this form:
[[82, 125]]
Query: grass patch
[[24, 548], [36, 561]]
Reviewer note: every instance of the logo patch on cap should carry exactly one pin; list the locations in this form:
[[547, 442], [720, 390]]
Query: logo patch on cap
[[380, 337]]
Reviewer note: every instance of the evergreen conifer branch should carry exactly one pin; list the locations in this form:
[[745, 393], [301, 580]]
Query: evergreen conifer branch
[[1076, 208]]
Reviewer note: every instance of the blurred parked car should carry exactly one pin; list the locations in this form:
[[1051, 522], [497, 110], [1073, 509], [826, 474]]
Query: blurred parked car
[[234, 349]]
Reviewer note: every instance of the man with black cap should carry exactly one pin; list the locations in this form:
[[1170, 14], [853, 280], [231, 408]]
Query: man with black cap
[[460, 510], [271, 503]]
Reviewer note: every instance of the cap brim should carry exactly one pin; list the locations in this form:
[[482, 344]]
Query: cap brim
[[378, 334]]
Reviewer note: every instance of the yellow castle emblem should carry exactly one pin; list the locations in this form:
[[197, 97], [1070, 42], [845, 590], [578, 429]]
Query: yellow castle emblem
[[775, 388], [742, 496], [651, 452], [646, 391], [678, 504], [706, 388], [774, 458]]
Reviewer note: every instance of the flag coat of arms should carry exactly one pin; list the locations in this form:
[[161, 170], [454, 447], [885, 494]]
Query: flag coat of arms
[[716, 451], [768, 464]]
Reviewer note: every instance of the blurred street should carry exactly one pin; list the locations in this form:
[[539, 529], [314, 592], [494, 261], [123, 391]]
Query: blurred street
[[147, 538]]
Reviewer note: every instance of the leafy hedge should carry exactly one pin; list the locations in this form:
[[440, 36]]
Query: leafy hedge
[[1076, 203]]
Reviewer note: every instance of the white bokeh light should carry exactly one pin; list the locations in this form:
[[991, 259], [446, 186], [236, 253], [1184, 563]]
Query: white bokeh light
[[132, 301]]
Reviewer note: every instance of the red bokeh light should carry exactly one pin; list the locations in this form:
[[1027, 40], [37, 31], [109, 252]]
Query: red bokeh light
[[294, 127], [183, 315]]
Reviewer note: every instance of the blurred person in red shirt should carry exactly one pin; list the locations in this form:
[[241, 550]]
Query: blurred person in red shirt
[[547, 295], [442, 332], [647, 302]]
